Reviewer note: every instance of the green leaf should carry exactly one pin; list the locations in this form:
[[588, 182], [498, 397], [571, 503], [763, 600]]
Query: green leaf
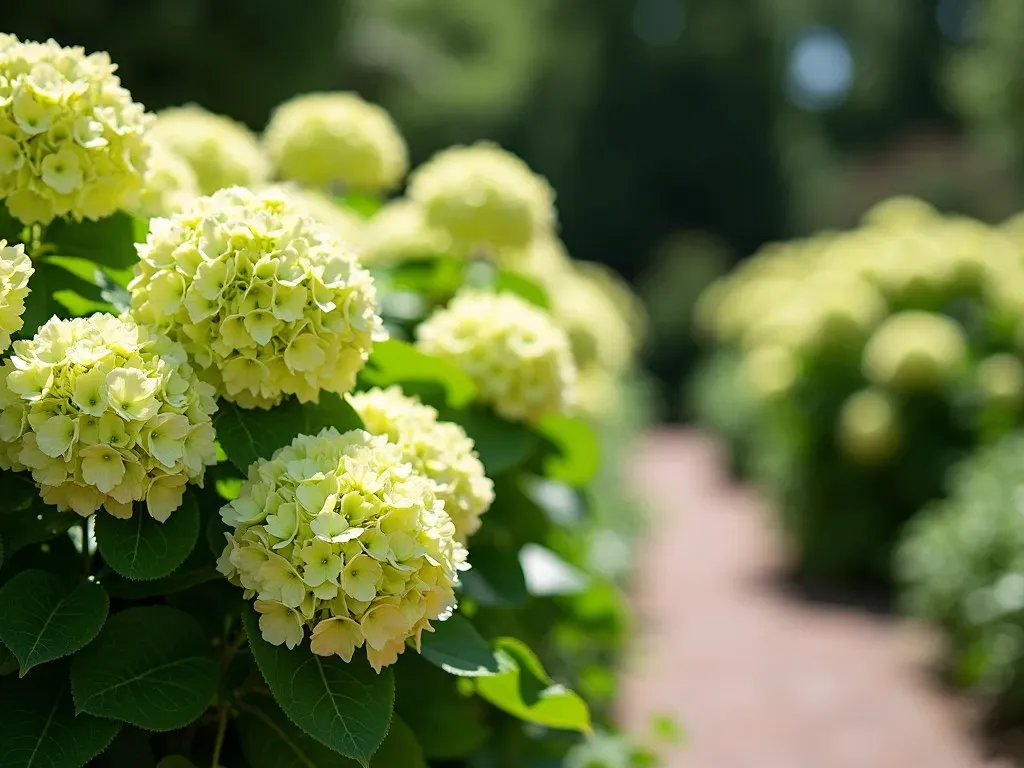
[[363, 204], [400, 748], [271, 740], [131, 749], [152, 667], [523, 287], [502, 445], [24, 518], [142, 548], [456, 647], [524, 690], [40, 728], [250, 434], [41, 621], [110, 241], [397, 362], [345, 706], [496, 578], [175, 761], [575, 455]]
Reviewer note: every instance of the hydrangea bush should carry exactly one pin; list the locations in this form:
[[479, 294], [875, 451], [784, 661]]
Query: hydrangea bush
[[856, 367], [264, 506]]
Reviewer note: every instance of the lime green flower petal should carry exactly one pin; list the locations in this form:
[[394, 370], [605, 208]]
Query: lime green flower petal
[[279, 624], [337, 636], [102, 467]]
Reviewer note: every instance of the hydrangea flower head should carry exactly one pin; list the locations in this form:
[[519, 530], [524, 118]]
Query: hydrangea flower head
[[170, 183], [399, 232], [484, 197], [1001, 379], [439, 450], [347, 226], [266, 301], [337, 534], [914, 350], [105, 412], [71, 138], [222, 152], [518, 356], [15, 270], [869, 428], [323, 139]]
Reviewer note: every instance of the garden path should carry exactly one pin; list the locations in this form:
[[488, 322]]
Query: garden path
[[758, 676]]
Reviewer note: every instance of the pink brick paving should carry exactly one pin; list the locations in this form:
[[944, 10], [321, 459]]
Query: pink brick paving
[[759, 678]]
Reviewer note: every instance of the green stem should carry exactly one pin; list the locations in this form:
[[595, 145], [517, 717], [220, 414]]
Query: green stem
[[222, 729]]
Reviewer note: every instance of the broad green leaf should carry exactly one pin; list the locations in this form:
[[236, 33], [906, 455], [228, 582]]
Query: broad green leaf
[[397, 362], [39, 727], [271, 740], [575, 457], [175, 761], [548, 574], [523, 287], [345, 706], [110, 241], [41, 621], [152, 667], [363, 204], [496, 577], [400, 748], [524, 690], [247, 435], [457, 648], [454, 725], [24, 518], [502, 445], [142, 548], [107, 285], [8, 661], [437, 278]]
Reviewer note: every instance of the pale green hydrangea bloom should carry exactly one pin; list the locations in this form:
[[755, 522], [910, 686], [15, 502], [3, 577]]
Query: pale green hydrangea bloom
[[348, 226], [71, 138], [105, 412], [869, 430], [336, 533], [487, 199], [266, 301], [399, 232], [222, 152], [518, 356], [325, 139], [439, 450], [170, 183], [15, 270]]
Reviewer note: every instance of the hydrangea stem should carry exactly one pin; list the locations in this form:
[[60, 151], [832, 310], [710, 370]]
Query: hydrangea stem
[[222, 729]]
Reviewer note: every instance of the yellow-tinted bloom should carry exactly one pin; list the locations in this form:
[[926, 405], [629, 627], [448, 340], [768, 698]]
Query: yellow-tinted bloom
[[71, 138], [105, 413], [399, 232], [914, 350], [439, 450], [322, 139], [170, 183], [484, 197], [347, 226], [869, 429], [15, 270], [518, 356], [1001, 379], [222, 152], [337, 533], [771, 372], [266, 301]]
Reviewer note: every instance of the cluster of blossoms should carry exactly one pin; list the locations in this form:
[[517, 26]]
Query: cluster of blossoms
[[347, 226], [518, 357], [439, 450], [336, 532], [399, 232], [170, 183], [485, 198], [266, 301], [222, 152], [15, 270], [915, 350], [105, 413], [868, 428], [71, 138], [325, 139]]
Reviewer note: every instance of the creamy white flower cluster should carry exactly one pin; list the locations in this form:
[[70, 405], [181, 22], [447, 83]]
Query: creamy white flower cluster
[[105, 413], [337, 533], [518, 357], [439, 450], [71, 138], [266, 301], [15, 270], [170, 183]]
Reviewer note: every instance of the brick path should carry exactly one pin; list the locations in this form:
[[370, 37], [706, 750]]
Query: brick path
[[757, 677]]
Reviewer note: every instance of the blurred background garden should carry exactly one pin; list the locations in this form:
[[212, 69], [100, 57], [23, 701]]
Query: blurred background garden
[[814, 201]]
